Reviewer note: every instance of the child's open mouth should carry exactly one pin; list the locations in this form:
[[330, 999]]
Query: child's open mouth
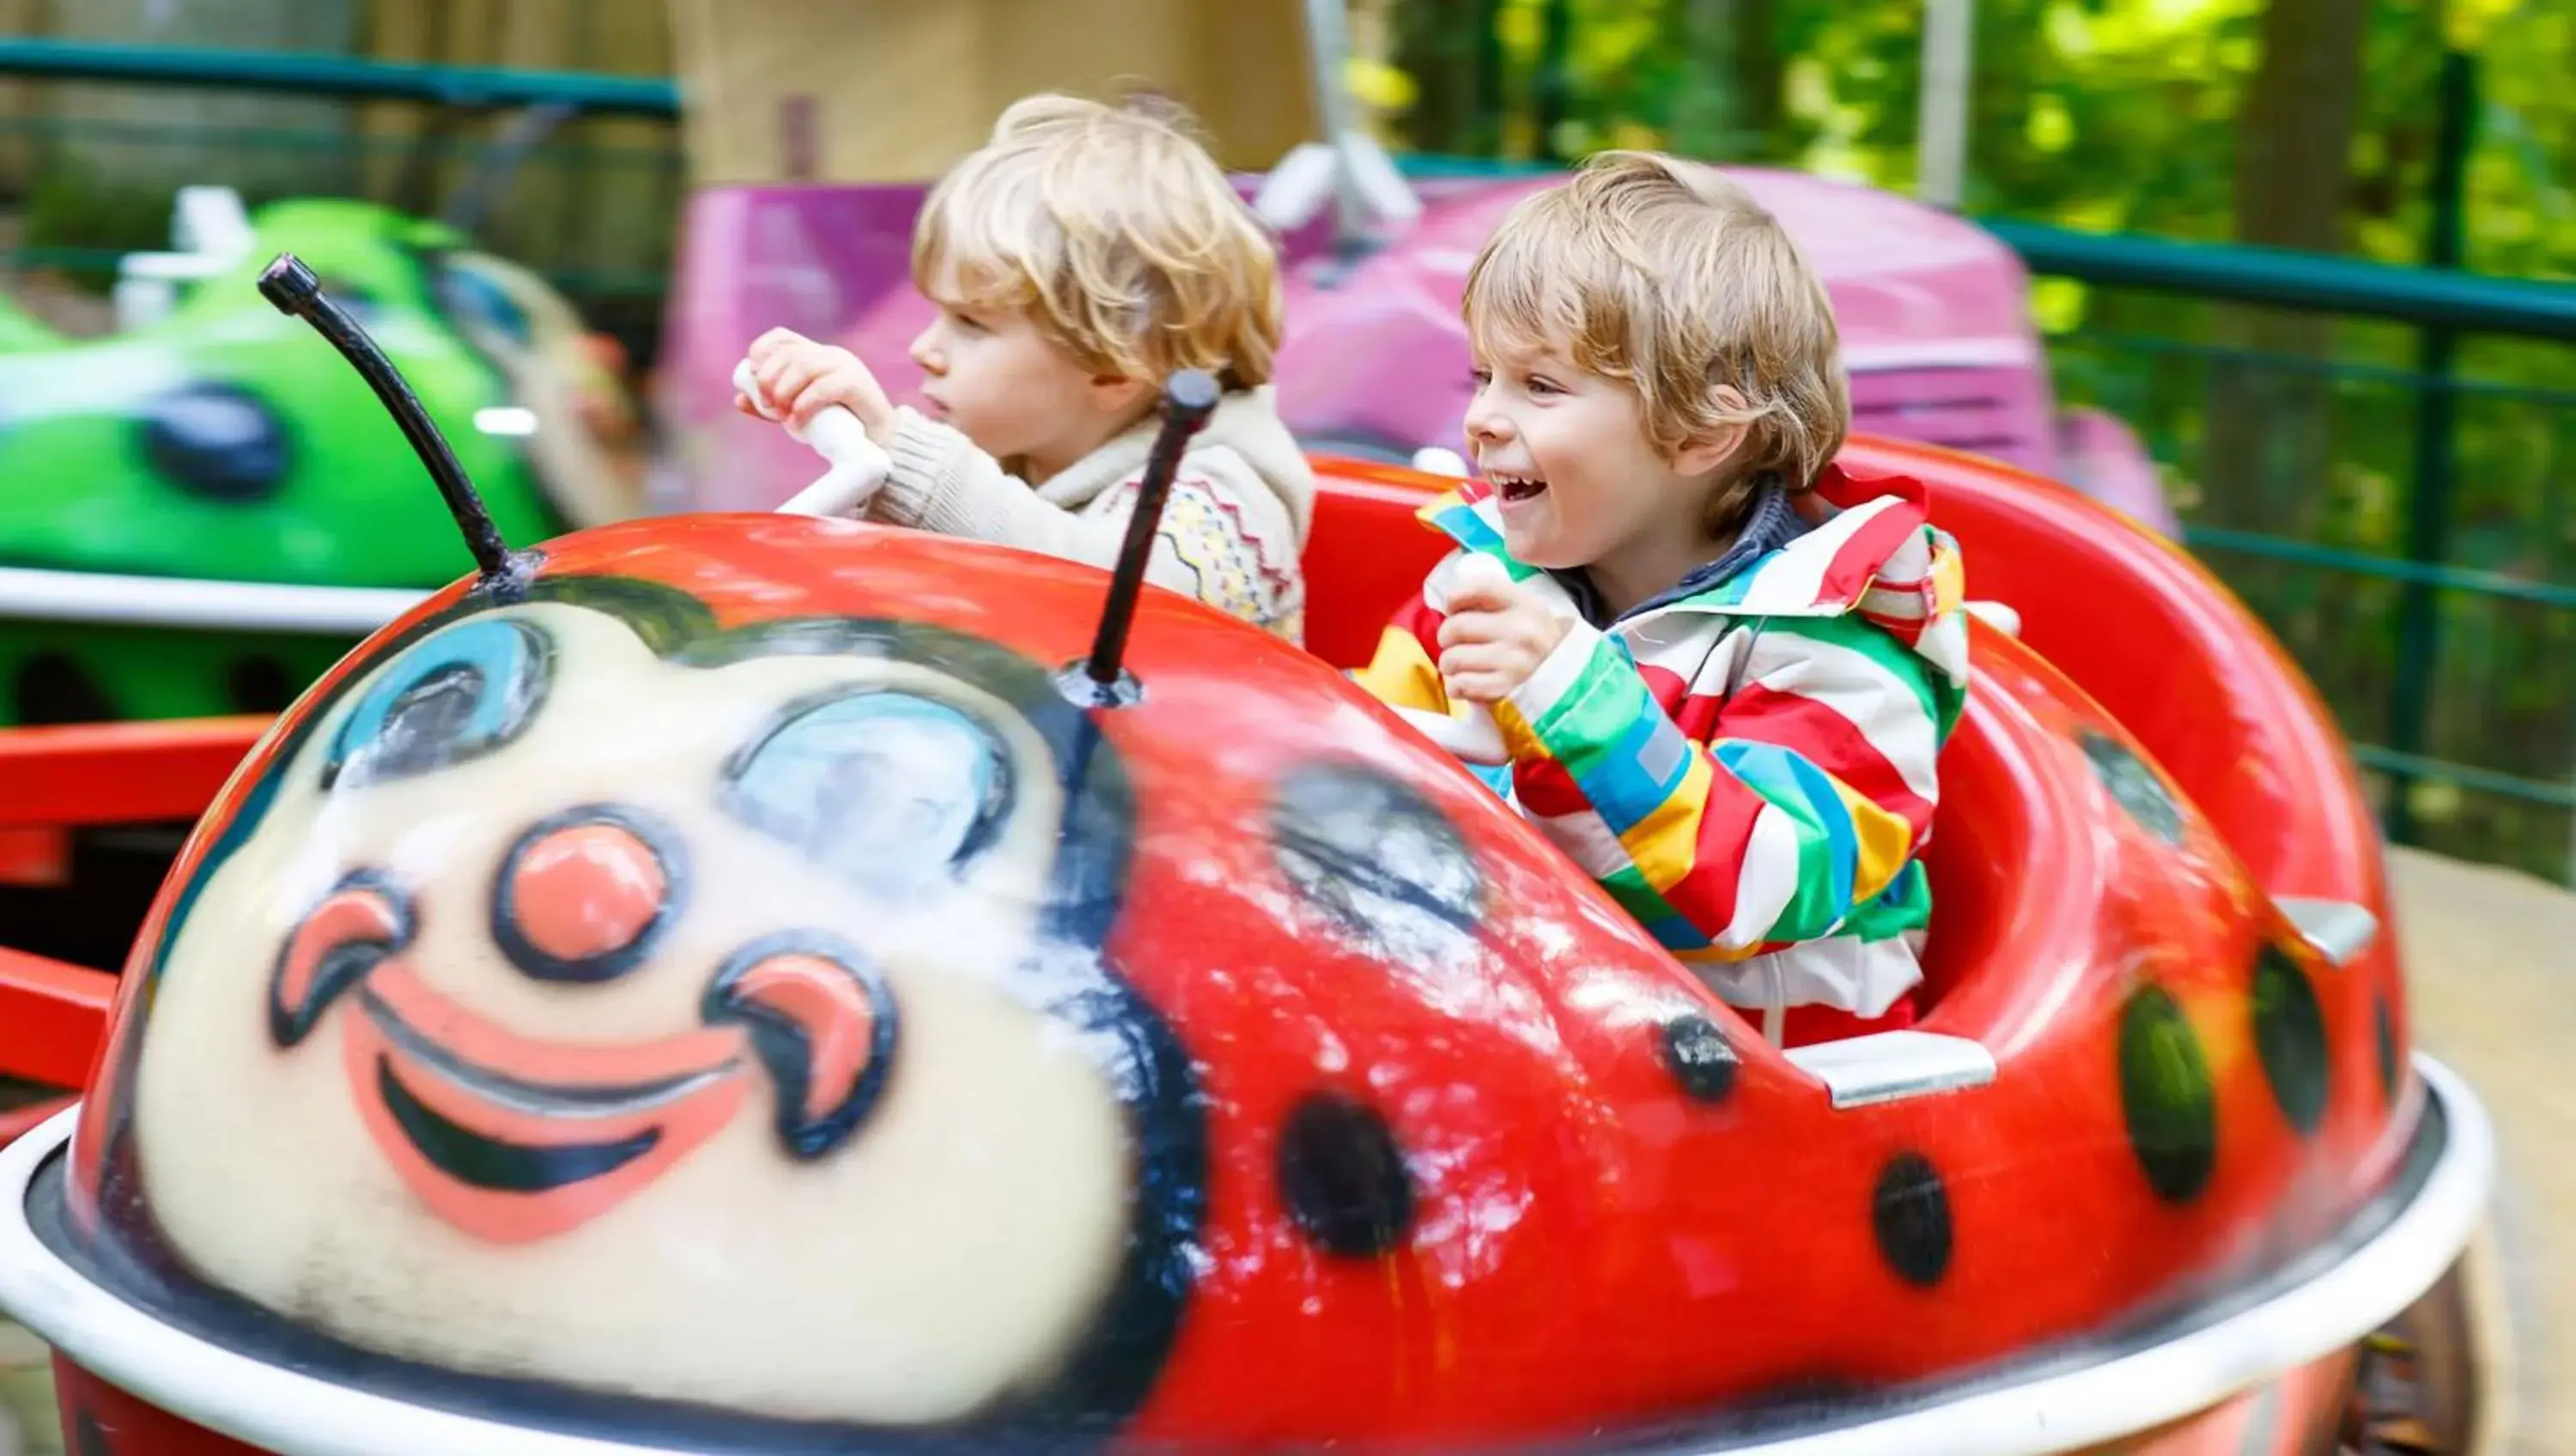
[[1514, 488]]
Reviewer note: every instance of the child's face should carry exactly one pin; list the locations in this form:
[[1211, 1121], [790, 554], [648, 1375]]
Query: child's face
[[1577, 478], [1000, 382]]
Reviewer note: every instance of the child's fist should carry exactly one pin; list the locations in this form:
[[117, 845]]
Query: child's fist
[[799, 379], [1497, 633]]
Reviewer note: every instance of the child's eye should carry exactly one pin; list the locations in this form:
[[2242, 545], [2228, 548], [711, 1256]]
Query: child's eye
[[1540, 384], [1480, 377]]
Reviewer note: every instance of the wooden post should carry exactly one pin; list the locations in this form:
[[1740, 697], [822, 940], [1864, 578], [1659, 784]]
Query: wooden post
[[782, 91]]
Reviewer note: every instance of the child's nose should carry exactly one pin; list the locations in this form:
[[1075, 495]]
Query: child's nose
[[926, 354]]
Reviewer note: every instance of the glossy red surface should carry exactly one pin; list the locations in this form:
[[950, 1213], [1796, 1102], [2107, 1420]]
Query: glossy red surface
[[101, 1420], [54, 1016], [1581, 1236], [118, 773]]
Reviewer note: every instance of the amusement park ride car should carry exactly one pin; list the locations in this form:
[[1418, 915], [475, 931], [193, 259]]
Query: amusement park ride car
[[756, 983], [204, 516]]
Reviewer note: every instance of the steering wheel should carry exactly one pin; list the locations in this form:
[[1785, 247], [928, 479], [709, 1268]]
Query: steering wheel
[[858, 467]]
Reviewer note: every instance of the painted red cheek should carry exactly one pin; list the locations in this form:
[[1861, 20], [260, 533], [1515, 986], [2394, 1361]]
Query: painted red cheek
[[822, 1000], [318, 962], [586, 891]]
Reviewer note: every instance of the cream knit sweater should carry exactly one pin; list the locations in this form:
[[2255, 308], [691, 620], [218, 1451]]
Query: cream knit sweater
[[1233, 530]]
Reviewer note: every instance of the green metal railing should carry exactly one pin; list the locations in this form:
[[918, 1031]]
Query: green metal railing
[[351, 77], [2398, 406]]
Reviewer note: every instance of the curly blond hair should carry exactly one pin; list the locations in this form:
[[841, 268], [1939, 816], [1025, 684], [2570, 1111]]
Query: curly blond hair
[[1664, 275], [1117, 232]]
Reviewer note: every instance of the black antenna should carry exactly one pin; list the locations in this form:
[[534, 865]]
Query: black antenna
[[1189, 397], [290, 285]]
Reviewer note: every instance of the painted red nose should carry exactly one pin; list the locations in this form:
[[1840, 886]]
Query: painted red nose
[[580, 899]]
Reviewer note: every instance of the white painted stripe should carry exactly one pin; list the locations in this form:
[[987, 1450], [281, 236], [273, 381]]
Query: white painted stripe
[[1586, 839], [1444, 577], [1558, 673], [1862, 977], [1786, 585], [1944, 644], [30, 594], [1721, 665], [1767, 879], [1855, 686]]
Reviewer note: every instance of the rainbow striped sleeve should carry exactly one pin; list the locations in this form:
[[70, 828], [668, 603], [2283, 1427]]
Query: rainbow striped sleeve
[[1405, 671], [1811, 796]]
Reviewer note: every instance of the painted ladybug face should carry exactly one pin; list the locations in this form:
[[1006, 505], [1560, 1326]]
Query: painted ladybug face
[[642, 977], [728, 993]]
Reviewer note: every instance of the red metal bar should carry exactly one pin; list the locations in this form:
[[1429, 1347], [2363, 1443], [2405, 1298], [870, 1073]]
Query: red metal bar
[[18, 1122], [118, 773], [53, 1016]]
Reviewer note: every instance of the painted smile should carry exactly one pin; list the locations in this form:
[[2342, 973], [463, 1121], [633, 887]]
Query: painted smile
[[511, 1138]]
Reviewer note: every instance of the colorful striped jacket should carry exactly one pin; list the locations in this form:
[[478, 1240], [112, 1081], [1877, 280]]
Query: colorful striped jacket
[[1748, 768]]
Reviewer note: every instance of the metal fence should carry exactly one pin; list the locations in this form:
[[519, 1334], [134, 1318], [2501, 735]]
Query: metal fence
[[2368, 454]]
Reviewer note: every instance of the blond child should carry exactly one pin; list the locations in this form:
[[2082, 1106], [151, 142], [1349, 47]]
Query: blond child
[[1082, 257], [1720, 696]]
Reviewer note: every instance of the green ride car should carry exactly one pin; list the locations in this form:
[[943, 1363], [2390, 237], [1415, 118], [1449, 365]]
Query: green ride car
[[200, 515]]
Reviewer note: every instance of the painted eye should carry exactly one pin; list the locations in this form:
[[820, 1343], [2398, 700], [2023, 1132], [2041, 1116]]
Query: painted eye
[[463, 692], [1385, 869], [882, 788]]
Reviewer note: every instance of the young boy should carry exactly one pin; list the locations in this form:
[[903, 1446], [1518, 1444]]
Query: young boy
[[1720, 697], [1078, 260]]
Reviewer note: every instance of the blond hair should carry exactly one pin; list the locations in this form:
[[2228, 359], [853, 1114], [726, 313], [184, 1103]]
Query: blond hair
[[1117, 232], [1669, 278]]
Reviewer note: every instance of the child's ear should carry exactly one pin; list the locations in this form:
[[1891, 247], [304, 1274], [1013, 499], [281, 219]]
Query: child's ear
[[1705, 453], [1116, 394]]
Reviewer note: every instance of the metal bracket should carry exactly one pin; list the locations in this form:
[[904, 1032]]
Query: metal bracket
[[1887, 1066], [2339, 929]]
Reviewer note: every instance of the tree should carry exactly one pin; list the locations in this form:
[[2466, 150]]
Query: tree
[[2266, 452], [149, 139]]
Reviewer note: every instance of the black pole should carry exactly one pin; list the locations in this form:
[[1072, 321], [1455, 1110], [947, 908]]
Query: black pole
[[287, 283], [1188, 399]]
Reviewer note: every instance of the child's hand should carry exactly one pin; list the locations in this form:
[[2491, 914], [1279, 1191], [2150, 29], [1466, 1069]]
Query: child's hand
[[1497, 633], [800, 378]]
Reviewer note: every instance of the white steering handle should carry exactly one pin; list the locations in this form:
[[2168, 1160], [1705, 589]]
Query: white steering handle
[[1468, 730], [858, 467]]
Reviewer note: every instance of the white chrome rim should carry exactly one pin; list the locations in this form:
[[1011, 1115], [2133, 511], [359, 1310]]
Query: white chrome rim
[[299, 1415]]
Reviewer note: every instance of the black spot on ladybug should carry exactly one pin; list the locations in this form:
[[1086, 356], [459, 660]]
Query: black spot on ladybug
[[2290, 1037], [1910, 1212], [1342, 1177], [217, 441], [51, 688], [87, 1438], [2165, 1095], [2384, 1019], [1699, 1057], [2132, 785], [1377, 861]]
